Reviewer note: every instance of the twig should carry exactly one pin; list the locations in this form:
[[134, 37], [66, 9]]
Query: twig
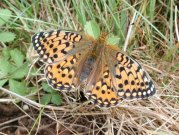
[[30, 102], [161, 72], [28, 74], [176, 25], [6, 100], [12, 120], [1, 133], [129, 31]]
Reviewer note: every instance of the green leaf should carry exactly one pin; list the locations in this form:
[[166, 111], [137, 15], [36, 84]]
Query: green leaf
[[20, 72], [123, 23], [80, 13], [17, 57], [5, 15], [5, 67], [177, 65], [32, 90], [56, 99], [2, 82], [46, 87], [33, 72], [7, 36], [45, 99], [6, 53], [113, 40], [152, 9], [92, 29], [18, 87]]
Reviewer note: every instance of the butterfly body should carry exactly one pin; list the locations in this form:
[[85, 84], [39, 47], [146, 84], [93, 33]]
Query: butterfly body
[[108, 74]]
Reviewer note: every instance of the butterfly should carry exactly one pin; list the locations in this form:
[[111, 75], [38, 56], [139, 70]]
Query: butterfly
[[109, 75]]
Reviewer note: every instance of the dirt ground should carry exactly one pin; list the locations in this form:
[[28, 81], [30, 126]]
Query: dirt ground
[[14, 122]]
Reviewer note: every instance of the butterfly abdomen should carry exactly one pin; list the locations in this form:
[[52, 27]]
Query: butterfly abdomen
[[88, 66]]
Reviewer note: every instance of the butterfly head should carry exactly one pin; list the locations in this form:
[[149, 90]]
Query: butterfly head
[[102, 38]]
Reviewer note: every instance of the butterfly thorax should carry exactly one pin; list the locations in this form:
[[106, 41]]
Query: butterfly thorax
[[102, 38], [91, 60]]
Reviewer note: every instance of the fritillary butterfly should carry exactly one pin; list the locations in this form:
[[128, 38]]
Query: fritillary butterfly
[[72, 58]]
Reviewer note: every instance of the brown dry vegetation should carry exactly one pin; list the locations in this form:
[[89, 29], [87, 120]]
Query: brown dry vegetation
[[153, 41]]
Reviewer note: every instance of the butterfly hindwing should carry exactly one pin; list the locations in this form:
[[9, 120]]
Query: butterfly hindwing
[[101, 91], [63, 75]]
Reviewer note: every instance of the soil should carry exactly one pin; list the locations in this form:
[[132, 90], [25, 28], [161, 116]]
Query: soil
[[14, 121]]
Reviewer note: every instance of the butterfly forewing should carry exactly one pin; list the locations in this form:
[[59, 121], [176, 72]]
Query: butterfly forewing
[[130, 79], [53, 46]]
